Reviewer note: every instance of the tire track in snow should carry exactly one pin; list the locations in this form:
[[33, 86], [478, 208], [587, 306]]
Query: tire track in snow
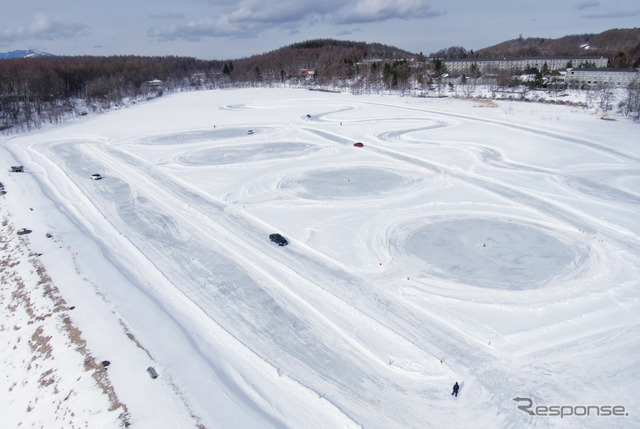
[[537, 131], [563, 212], [176, 193], [231, 387]]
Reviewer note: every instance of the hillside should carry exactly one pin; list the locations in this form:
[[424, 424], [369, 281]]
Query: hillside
[[621, 46], [327, 56]]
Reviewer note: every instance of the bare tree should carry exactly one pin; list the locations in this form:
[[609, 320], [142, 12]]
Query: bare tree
[[605, 96], [631, 105]]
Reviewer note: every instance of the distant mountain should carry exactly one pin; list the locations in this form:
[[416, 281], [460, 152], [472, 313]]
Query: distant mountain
[[621, 46], [24, 54]]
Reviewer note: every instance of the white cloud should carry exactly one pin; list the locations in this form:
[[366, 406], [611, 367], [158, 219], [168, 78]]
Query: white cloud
[[43, 28], [382, 10], [587, 4], [250, 18], [613, 14], [224, 26], [598, 13]]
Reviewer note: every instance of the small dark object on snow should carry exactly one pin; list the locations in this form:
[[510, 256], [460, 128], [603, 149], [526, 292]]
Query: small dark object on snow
[[17, 169], [308, 116], [24, 231], [152, 372], [456, 387], [72, 307], [278, 239], [250, 132], [48, 235], [105, 363], [358, 144]]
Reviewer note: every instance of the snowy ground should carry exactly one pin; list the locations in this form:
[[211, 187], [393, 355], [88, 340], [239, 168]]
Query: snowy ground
[[496, 244]]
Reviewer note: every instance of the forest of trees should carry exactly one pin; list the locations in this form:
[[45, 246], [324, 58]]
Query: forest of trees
[[49, 89], [620, 46], [35, 91]]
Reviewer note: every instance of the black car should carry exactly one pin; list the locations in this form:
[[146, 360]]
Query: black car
[[278, 239]]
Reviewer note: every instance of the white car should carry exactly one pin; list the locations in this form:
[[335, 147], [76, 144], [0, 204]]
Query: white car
[[96, 176]]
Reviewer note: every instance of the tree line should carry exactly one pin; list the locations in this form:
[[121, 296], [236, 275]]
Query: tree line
[[48, 89], [36, 91]]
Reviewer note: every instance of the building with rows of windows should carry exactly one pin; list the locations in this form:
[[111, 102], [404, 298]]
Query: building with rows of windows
[[593, 78], [493, 65]]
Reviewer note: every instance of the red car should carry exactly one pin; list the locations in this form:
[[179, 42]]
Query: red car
[[358, 144]]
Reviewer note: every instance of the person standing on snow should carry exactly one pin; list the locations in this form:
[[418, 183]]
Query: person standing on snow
[[456, 387]]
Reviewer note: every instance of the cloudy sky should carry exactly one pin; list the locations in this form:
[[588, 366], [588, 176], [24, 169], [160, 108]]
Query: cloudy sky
[[229, 29]]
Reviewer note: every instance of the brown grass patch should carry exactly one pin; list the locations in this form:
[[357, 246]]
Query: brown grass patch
[[483, 102], [21, 296], [47, 378], [40, 343], [134, 339], [98, 372]]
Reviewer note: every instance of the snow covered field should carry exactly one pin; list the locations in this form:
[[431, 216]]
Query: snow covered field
[[496, 244]]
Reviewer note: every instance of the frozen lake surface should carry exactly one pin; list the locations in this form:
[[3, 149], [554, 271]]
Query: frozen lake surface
[[494, 246]]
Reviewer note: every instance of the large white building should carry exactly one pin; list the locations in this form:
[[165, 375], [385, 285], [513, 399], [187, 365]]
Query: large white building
[[492, 65], [590, 77]]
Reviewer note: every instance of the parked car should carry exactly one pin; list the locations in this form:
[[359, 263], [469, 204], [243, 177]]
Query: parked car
[[278, 239], [96, 176], [250, 132], [152, 372], [358, 144]]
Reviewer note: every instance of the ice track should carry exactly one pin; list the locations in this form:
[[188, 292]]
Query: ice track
[[458, 244]]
